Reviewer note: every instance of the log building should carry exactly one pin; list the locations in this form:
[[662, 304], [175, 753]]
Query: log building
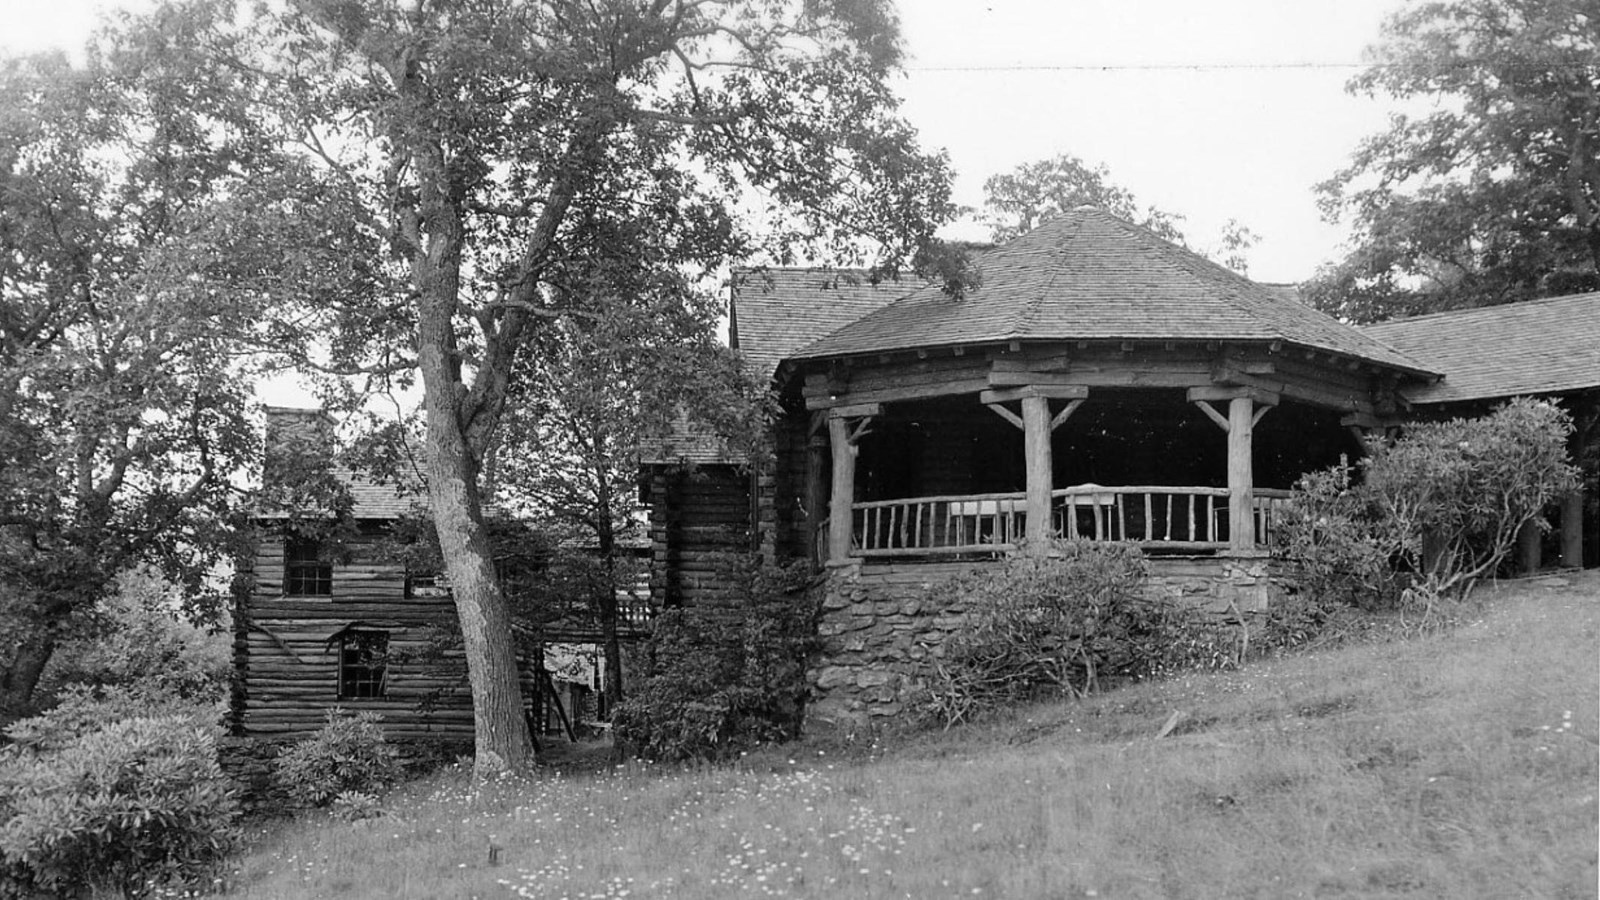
[[1100, 383], [329, 613]]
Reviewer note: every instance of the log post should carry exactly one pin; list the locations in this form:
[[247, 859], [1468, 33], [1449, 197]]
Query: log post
[[1036, 450], [816, 496], [1572, 530], [1530, 549], [841, 507], [1241, 474], [1240, 427]]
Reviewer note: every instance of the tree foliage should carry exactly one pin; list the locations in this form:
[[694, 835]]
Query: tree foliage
[[502, 153], [122, 401], [1034, 193], [1493, 194]]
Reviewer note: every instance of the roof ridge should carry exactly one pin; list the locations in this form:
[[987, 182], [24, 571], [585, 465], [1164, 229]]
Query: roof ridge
[[1476, 310], [1031, 308]]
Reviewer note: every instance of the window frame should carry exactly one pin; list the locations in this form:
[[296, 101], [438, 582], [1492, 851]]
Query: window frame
[[305, 572], [363, 664]]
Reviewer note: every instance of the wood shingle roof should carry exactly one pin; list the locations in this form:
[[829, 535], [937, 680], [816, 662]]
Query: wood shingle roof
[[776, 311], [1534, 347], [1091, 276]]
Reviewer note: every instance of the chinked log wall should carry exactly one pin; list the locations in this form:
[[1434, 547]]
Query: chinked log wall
[[697, 517], [880, 635], [286, 654]]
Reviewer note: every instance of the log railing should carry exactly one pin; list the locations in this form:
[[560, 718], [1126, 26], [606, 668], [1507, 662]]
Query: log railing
[[1153, 516], [926, 526]]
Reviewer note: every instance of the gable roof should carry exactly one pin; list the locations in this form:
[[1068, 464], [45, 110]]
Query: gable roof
[[1534, 347], [1091, 276], [776, 311]]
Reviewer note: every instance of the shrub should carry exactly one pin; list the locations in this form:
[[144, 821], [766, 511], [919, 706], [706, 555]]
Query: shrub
[[129, 806], [725, 677], [1344, 548], [1057, 624], [1436, 510], [1458, 492], [347, 755], [81, 710]]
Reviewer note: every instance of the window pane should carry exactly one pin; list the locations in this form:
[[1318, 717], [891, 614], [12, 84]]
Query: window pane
[[362, 664]]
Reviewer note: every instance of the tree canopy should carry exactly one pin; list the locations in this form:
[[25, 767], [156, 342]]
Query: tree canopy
[[497, 157], [1490, 196], [122, 399], [1034, 193]]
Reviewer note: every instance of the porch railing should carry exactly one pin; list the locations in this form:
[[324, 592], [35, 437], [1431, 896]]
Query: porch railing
[[1153, 516]]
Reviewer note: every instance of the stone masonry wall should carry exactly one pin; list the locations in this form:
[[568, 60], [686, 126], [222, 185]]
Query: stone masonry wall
[[879, 633]]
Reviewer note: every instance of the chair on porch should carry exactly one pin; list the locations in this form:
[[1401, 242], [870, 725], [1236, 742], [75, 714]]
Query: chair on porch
[[1087, 511], [991, 521]]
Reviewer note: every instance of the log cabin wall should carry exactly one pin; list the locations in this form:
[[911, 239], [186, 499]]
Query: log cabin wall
[[698, 515], [287, 650]]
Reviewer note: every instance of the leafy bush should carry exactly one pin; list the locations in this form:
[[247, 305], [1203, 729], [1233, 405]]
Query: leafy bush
[[1435, 511], [1056, 624], [1344, 547], [1458, 492], [726, 677], [81, 710], [347, 755], [137, 642], [129, 806]]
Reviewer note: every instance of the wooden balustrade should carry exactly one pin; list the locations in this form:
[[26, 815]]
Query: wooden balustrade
[[1153, 516], [968, 523]]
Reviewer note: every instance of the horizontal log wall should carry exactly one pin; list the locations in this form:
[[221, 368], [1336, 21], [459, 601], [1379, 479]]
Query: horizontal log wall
[[286, 651], [697, 518]]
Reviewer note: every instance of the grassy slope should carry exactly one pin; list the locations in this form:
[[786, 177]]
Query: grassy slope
[[1460, 765]]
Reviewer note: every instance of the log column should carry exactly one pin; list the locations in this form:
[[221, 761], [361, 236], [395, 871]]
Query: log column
[[1037, 426], [1530, 547], [1036, 451], [842, 437], [1572, 529], [1239, 424]]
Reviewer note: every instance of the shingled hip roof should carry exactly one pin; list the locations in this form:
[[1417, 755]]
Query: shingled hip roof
[[1534, 347], [1091, 276]]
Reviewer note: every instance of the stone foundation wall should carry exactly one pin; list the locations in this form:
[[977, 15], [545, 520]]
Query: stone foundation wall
[[879, 632]]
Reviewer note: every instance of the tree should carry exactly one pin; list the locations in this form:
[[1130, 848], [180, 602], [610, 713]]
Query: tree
[[1491, 197], [637, 355], [122, 404], [501, 141], [1034, 193]]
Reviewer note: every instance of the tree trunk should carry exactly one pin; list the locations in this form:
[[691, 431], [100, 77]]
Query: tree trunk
[[502, 739], [501, 731], [21, 676], [607, 602]]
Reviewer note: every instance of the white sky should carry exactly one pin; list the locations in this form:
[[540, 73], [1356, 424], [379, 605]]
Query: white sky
[[1212, 109]]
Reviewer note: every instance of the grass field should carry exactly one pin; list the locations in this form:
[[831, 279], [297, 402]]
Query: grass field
[[1459, 765]]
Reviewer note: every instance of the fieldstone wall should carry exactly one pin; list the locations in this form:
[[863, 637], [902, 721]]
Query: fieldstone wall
[[879, 632]]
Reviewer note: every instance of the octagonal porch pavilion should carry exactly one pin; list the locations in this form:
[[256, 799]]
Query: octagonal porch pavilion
[[1101, 383]]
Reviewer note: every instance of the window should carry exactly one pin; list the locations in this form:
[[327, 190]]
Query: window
[[305, 572], [362, 663], [427, 584]]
